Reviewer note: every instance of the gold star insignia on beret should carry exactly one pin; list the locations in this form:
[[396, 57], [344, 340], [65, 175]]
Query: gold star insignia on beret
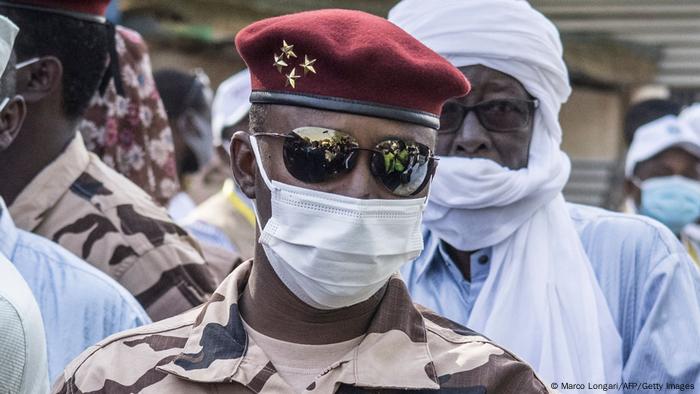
[[287, 49], [291, 78], [308, 65], [279, 63]]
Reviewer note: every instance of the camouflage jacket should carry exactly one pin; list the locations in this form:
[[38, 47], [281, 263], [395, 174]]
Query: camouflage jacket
[[91, 210], [207, 350]]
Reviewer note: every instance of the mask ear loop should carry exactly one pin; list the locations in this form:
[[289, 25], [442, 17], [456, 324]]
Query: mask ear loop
[[258, 160], [263, 174]]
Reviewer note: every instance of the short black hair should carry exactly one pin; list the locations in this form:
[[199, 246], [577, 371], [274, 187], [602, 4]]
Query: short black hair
[[179, 91], [646, 112], [81, 46], [8, 79]]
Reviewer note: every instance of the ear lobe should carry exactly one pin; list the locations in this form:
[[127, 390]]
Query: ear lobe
[[38, 80], [11, 120], [243, 163]]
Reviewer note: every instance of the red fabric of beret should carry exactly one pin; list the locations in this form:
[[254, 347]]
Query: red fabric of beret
[[92, 10], [347, 61]]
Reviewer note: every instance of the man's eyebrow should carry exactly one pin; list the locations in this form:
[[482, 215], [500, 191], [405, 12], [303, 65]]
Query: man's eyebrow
[[501, 86]]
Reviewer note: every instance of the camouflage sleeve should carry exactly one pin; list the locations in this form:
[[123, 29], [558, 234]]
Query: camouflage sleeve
[[181, 281], [466, 359]]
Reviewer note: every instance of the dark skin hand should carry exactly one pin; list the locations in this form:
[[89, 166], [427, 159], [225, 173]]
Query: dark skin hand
[[672, 161], [266, 303], [45, 132], [473, 140]]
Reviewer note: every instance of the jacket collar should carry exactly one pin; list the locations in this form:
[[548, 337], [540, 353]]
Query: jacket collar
[[50, 184], [219, 350]]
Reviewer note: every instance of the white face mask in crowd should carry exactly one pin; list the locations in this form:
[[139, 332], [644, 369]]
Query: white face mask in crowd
[[334, 251]]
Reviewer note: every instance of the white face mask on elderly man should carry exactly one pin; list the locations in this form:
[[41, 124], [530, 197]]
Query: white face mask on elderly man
[[334, 251]]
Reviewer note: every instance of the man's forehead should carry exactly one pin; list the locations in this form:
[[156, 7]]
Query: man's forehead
[[484, 79], [675, 156]]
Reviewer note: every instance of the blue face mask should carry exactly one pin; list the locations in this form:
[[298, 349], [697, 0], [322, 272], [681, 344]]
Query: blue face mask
[[672, 200]]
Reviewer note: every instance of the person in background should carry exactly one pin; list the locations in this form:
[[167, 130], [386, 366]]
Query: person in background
[[637, 115], [79, 304], [126, 125], [227, 218], [66, 193], [662, 172], [583, 294], [23, 356], [320, 308], [187, 99]]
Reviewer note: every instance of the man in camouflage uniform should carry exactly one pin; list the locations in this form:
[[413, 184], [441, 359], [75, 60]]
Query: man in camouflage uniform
[[67, 194], [320, 309]]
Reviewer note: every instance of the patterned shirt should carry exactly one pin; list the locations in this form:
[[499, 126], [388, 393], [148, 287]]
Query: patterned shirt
[[130, 132], [88, 208], [406, 349]]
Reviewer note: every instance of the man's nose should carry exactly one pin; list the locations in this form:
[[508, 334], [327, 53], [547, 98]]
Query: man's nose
[[360, 183], [472, 138]]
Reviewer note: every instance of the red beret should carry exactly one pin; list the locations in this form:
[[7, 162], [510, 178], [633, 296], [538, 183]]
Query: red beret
[[91, 10], [347, 61]]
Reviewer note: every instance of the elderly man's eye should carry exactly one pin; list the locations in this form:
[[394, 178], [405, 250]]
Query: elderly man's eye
[[504, 107]]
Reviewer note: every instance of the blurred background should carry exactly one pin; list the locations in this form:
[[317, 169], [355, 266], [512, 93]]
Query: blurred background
[[619, 52]]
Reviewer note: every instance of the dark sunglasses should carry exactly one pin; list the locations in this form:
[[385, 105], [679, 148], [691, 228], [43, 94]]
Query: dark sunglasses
[[495, 115], [316, 154]]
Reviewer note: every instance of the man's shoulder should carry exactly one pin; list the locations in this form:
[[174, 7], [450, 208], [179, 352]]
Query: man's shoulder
[[125, 356], [103, 205], [464, 358], [585, 216], [76, 277], [626, 234]]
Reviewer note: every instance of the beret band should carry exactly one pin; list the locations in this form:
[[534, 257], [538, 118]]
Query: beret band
[[346, 105]]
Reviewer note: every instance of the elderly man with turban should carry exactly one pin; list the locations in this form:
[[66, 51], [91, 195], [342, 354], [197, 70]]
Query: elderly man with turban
[[584, 295]]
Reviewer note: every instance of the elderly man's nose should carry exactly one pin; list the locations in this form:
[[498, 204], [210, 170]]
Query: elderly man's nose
[[472, 138]]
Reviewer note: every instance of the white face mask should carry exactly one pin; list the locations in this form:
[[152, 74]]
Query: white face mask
[[334, 251]]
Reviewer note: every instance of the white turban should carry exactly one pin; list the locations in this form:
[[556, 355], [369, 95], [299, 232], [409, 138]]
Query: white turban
[[661, 134], [541, 298], [231, 104], [8, 32]]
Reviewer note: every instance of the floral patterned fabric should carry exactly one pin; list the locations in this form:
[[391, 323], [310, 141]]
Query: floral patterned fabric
[[130, 133]]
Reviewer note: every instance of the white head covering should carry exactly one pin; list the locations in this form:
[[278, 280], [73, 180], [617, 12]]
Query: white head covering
[[231, 103], [691, 117], [8, 32], [664, 133], [541, 298]]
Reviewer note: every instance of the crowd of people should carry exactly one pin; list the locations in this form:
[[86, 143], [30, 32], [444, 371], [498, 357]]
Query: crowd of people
[[374, 205]]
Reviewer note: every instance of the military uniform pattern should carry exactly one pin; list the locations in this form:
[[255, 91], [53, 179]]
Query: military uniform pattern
[[407, 349], [88, 208]]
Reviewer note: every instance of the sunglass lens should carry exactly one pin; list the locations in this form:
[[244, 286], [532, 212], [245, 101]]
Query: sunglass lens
[[314, 154], [451, 117], [402, 167], [504, 115]]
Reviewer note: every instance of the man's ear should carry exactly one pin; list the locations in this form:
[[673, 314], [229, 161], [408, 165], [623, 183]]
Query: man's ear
[[40, 79], [11, 120], [243, 163]]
